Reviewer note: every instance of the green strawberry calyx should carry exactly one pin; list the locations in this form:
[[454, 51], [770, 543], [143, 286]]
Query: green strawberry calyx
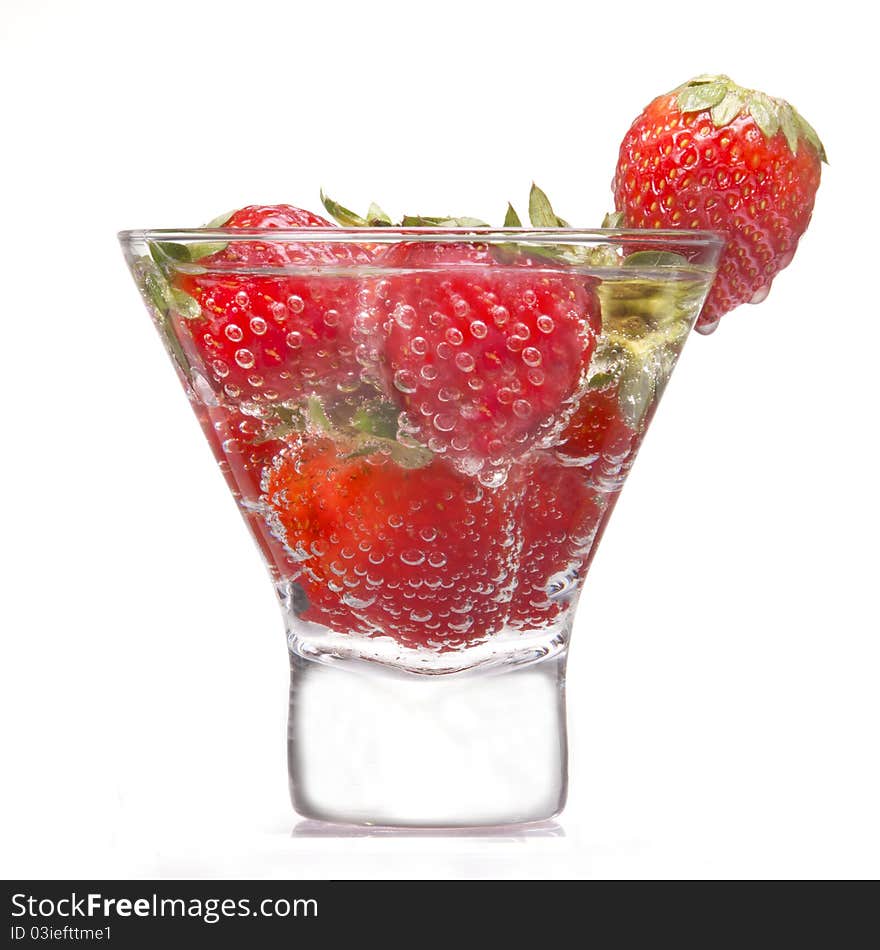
[[372, 429], [377, 218], [169, 253], [725, 101]]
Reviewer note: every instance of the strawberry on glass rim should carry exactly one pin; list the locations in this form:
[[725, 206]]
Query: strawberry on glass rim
[[713, 155]]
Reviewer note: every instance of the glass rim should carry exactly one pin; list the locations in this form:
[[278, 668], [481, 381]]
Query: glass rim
[[649, 236]]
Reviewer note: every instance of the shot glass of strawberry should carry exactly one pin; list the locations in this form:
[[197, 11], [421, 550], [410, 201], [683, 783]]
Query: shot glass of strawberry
[[427, 425]]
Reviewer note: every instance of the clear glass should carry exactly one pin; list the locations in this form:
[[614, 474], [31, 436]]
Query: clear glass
[[426, 431]]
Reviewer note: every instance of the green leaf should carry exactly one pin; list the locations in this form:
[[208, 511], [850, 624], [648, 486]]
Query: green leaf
[[809, 133], [316, 416], [465, 222], [541, 212], [511, 219], [206, 249], [165, 252], [423, 221], [410, 456], [788, 124], [765, 113], [636, 392], [703, 95], [614, 219], [654, 259], [600, 380], [376, 217], [156, 289], [288, 422], [220, 220], [161, 296], [341, 214], [708, 77], [188, 307], [727, 109], [377, 419]]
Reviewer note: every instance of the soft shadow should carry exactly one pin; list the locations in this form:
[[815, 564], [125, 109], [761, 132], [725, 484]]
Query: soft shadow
[[309, 828]]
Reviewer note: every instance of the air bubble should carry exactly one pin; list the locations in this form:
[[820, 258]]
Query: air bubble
[[405, 381], [419, 345], [445, 421], [428, 372], [404, 316], [395, 521], [545, 323], [428, 534], [295, 303], [535, 377], [244, 358], [294, 339], [331, 318], [472, 494], [522, 408], [221, 370], [531, 356], [493, 477], [242, 299], [258, 325], [234, 332], [479, 329], [413, 557], [500, 315], [460, 307], [454, 336]]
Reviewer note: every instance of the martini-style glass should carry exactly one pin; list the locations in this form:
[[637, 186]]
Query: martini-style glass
[[426, 431]]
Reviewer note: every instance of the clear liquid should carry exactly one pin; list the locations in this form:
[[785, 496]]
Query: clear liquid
[[388, 540]]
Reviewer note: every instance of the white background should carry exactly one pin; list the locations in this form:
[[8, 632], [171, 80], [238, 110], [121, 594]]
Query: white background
[[723, 678]]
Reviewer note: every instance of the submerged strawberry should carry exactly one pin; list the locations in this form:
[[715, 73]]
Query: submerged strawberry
[[598, 438], [560, 516], [245, 445], [486, 357], [715, 156], [265, 338], [422, 554]]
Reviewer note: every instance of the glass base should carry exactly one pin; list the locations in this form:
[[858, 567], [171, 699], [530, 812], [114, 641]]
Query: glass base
[[374, 747]]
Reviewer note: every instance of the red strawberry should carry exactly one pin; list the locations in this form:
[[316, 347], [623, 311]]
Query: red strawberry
[[599, 438], [560, 517], [485, 358], [422, 555], [263, 338], [715, 156], [243, 445]]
